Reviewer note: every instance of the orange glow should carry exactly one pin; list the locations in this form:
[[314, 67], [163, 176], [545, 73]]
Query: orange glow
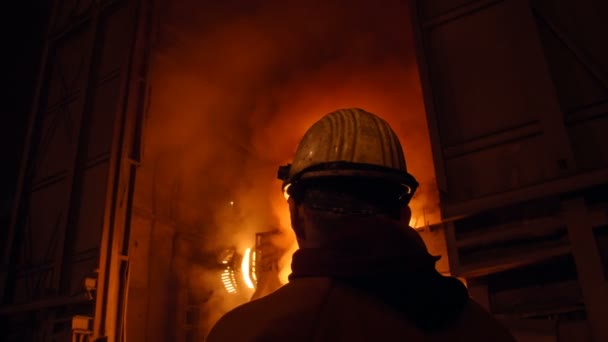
[[229, 280], [285, 192], [245, 268], [253, 259], [285, 269], [233, 92]]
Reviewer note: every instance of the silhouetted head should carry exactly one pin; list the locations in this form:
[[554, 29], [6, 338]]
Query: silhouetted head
[[348, 166]]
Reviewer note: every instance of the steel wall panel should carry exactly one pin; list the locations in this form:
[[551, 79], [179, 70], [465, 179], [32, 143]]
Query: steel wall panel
[[69, 12], [476, 93], [434, 8], [57, 143], [575, 84], [590, 136], [75, 149], [91, 208], [47, 214], [33, 286], [69, 63], [516, 94], [538, 298], [102, 118], [578, 60], [115, 42], [584, 23], [498, 168], [494, 115]]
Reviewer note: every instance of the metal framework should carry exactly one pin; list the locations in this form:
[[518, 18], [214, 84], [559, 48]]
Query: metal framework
[[84, 135], [536, 201]]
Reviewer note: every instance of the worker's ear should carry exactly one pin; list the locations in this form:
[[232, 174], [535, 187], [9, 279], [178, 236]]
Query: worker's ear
[[296, 218], [406, 215]]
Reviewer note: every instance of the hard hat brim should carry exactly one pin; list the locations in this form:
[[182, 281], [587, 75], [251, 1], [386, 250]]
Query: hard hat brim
[[400, 178]]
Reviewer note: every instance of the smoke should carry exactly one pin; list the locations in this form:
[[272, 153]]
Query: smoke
[[235, 86]]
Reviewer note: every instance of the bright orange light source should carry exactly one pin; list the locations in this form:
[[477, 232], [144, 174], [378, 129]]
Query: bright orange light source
[[245, 268]]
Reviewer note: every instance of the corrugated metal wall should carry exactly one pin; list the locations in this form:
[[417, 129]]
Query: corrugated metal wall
[[75, 171], [516, 93]]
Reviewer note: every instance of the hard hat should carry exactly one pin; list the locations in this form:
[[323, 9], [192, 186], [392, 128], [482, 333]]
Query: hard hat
[[349, 143]]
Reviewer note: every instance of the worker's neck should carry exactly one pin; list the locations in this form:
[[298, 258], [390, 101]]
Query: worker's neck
[[352, 248], [330, 231]]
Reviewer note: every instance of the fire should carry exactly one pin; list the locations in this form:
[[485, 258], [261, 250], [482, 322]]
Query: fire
[[229, 280], [285, 269], [245, 268], [253, 270], [287, 241]]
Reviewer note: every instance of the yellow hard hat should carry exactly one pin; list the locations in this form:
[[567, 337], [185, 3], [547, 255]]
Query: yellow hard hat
[[349, 143]]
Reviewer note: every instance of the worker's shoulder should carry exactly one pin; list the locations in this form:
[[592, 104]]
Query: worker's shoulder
[[291, 307], [298, 296]]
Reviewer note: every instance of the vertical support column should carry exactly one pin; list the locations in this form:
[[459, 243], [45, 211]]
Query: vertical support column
[[588, 266], [114, 270], [138, 303]]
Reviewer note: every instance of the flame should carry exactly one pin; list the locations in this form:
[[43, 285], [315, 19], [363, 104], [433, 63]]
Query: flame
[[229, 280], [245, 268], [287, 242], [253, 274]]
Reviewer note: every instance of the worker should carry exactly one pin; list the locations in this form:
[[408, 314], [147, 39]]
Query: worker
[[361, 272]]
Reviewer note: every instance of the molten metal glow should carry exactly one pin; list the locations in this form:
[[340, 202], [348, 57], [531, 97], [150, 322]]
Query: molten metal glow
[[245, 268], [229, 280], [253, 275]]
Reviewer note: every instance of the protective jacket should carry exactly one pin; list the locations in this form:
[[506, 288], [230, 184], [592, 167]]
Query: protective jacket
[[361, 287]]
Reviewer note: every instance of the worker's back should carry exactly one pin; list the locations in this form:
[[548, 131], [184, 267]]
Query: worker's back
[[322, 309], [361, 273]]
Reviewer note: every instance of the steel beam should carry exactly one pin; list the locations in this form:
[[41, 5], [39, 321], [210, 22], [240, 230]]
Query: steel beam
[[114, 262], [588, 266], [555, 187]]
